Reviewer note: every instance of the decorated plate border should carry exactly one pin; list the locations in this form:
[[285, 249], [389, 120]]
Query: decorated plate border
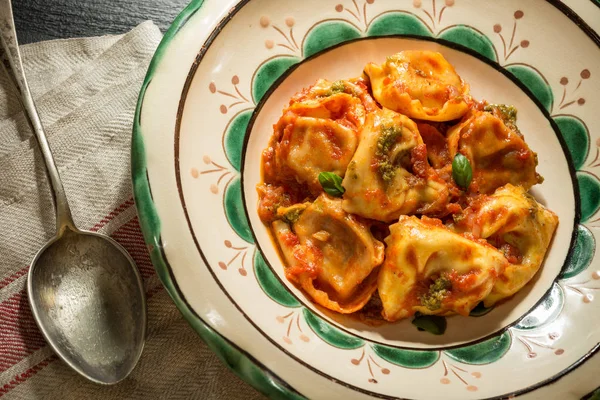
[[151, 224], [452, 45], [265, 79]]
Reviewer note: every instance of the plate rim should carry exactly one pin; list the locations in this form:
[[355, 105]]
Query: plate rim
[[245, 366]]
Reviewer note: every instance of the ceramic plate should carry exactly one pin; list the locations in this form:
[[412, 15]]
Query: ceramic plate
[[218, 83]]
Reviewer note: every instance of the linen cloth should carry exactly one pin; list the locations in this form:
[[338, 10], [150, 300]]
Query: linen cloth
[[86, 92]]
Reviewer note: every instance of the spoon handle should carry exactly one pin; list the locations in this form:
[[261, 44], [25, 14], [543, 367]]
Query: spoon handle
[[11, 58]]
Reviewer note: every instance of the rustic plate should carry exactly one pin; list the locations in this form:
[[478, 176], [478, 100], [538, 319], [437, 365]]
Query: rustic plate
[[218, 82]]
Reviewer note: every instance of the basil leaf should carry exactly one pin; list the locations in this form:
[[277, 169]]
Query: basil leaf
[[462, 173], [331, 183], [431, 323], [480, 310]]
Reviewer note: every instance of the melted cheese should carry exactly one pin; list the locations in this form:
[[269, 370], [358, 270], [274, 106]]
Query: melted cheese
[[420, 84], [331, 255], [420, 251], [497, 154], [387, 177], [513, 219]]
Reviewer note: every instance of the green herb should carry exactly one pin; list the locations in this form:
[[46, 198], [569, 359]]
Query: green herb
[[434, 324], [508, 114], [480, 310], [386, 141], [437, 291], [331, 183], [387, 170], [462, 173], [336, 88], [458, 217], [594, 396], [292, 215]]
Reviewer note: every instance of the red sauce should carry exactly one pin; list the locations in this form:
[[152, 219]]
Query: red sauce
[[284, 144], [435, 222], [418, 159], [411, 257], [430, 161], [524, 155], [512, 254], [463, 282], [308, 260], [290, 239], [336, 150], [437, 146]]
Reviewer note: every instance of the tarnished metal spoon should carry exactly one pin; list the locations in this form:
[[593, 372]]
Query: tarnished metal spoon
[[85, 292]]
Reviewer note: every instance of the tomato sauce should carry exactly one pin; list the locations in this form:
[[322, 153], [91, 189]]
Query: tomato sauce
[[429, 161]]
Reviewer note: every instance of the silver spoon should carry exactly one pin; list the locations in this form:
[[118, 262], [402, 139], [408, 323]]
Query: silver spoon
[[85, 292]]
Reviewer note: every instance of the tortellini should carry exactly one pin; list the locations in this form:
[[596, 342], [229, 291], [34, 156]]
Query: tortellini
[[498, 154], [318, 132], [521, 228], [331, 254], [369, 203], [421, 85], [389, 174], [432, 270]]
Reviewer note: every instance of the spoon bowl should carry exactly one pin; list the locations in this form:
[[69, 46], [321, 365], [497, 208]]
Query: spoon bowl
[[89, 304]]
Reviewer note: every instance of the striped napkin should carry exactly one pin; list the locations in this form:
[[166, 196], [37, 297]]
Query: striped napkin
[[86, 91]]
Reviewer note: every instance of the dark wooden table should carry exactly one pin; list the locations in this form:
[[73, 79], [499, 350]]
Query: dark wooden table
[[38, 20]]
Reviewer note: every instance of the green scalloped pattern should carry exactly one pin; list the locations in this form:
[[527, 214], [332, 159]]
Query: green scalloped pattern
[[595, 395], [398, 23], [330, 334], [233, 141], [583, 253], [238, 361], [546, 312], [470, 38], [413, 359], [482, 353], [268, 73], [234, 210], [535, 82], [270, 284], [576, 136], [589, 193], [327, 34]]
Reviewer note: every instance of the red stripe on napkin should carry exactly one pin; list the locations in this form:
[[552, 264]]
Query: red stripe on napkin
[[8, 280], [19, 335], [112, 215], [18, 379], [130, 236]]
